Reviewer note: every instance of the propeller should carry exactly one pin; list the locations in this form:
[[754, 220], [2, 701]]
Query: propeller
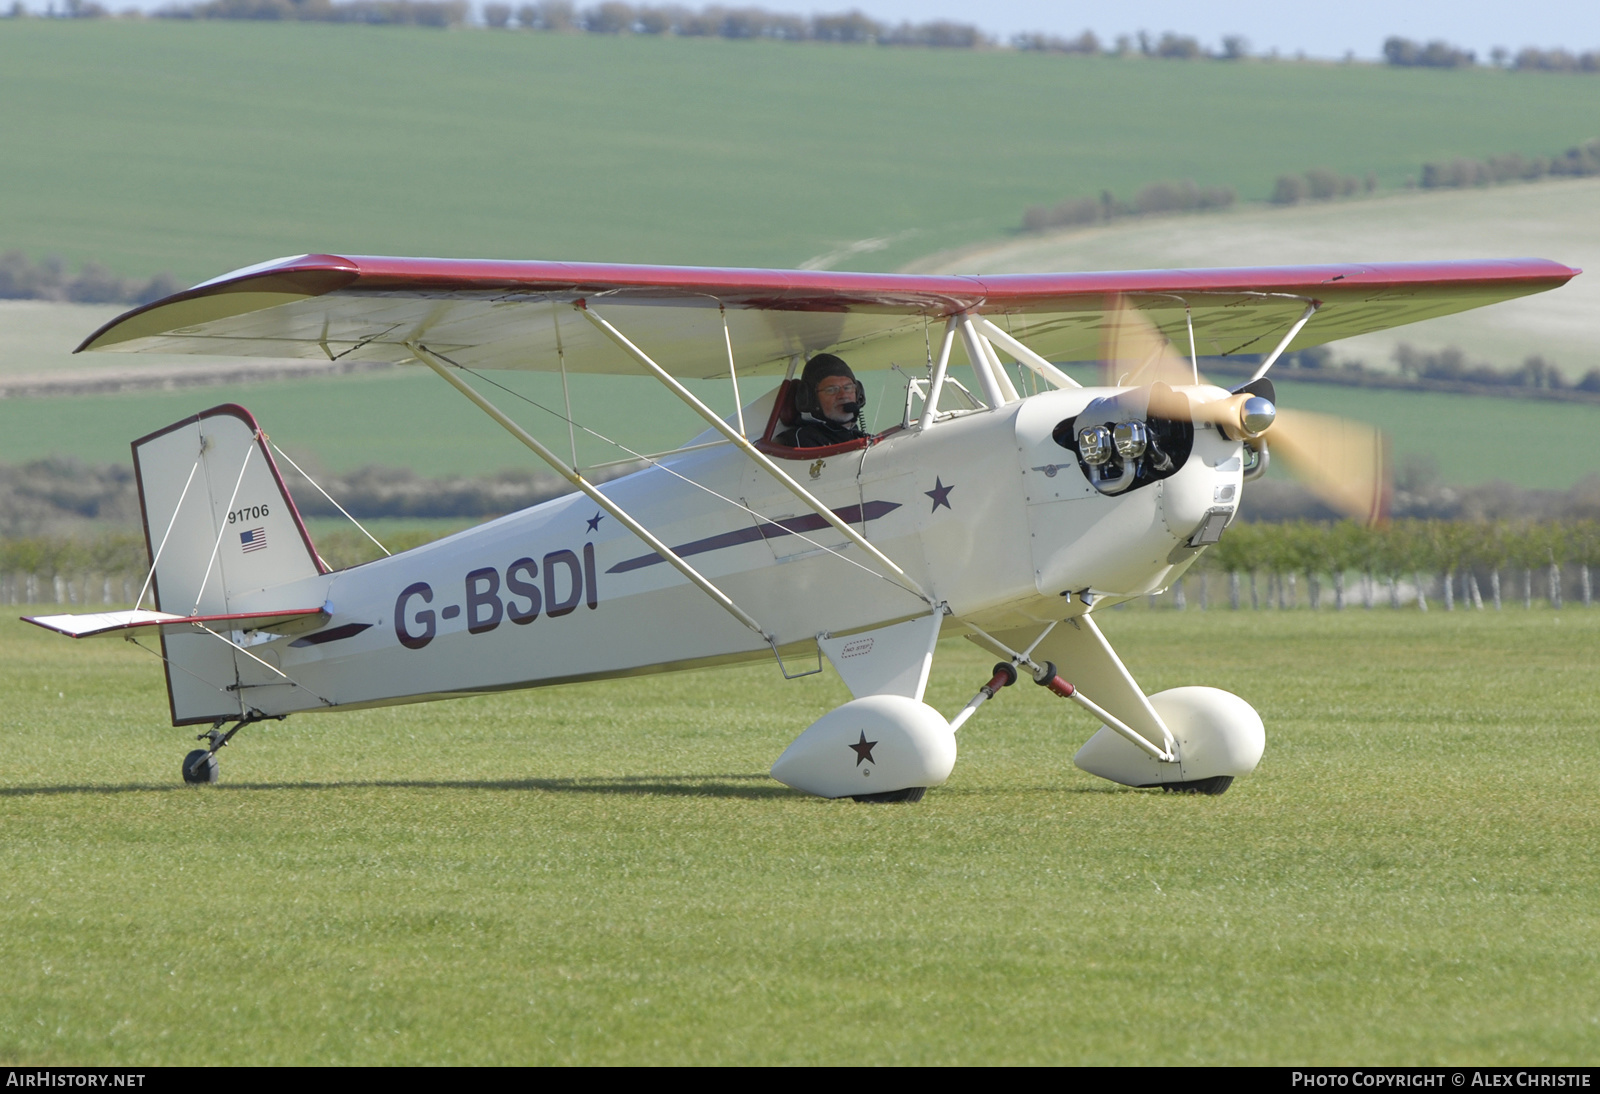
[[1344, 463], [1134, 353]]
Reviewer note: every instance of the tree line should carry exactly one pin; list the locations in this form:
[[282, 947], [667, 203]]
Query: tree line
[[1482, 564], [615, 17], [1169, 46], [47, 279], [1448, 369], [1405, 53], [1157, 197], [416, 13], [1313, 184], [1476, 563], [111, 568], [561, 16], [715, 21], [63, 497], [424, 13], [1579, 161], [1450, 365], [1320, 184]]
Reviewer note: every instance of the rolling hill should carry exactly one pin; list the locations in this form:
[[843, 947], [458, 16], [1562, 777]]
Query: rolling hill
[[200, 147], [1558, 220]]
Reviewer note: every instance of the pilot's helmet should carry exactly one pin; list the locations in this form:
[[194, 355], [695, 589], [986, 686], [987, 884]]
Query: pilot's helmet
[[820, 368]]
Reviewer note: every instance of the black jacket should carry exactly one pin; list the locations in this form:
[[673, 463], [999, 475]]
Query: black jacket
[[818, 432]]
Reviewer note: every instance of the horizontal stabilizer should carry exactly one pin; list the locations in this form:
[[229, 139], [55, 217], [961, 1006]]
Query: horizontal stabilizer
[[95, 624]]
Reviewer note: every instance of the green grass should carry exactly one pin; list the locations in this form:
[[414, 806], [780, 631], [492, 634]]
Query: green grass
[[603, 873], [199, 147]]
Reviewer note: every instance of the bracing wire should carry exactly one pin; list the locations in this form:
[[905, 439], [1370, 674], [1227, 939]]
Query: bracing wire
[[289, 680], [169, 661], [330, 498]]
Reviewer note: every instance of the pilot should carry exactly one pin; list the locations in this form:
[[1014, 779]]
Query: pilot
[[829, 400]]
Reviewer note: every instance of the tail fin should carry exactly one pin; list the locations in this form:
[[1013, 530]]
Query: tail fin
[[219, 525]]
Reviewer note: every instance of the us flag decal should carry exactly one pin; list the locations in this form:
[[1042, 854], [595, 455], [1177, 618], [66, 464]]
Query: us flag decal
[[253, 540]]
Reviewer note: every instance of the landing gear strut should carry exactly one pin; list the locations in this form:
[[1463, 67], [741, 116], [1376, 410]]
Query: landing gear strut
[[200, 766]]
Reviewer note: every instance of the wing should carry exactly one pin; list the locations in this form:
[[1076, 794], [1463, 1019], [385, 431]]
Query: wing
[[520, 315]]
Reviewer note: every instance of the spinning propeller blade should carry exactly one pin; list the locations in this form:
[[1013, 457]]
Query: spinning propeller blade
[[1134, 353], [1344, 463]]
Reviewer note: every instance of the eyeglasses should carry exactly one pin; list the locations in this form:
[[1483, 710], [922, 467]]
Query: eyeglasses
[[837, 389]]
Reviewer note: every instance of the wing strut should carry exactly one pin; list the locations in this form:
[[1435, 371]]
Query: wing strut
[[572, 475], [1271, 359], [1026, 357], [980, 336], [977, 356], [930, 406], [756, 455], [1003, 378]]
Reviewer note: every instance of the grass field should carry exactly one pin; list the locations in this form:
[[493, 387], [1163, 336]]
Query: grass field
[[200, 147], [603, 873]]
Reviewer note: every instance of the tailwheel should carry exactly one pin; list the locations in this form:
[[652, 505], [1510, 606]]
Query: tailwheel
[[909, 794], [1214, 785], [200, 766]]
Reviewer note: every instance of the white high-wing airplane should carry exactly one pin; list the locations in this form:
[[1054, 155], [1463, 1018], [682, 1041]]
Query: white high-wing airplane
[[1007, 518]]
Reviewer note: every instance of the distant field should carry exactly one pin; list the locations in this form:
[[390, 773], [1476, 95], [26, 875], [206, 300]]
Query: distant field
[[38, 336], [407, 419], [200, 147], [1471, 439], [403, 417], [1556, 220], [604, 873]]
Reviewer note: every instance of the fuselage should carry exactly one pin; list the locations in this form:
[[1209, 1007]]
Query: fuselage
[[988, 512]]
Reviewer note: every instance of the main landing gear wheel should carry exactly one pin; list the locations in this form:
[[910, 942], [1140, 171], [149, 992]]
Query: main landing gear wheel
[[1214, 785], [909, 794], [200, 766]]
